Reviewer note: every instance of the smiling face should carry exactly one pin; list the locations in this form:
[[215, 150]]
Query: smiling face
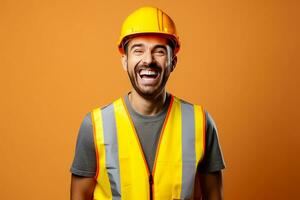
[[149, 61]]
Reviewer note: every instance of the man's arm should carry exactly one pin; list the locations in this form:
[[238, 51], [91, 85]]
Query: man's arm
[[209, 170], [84, 165], [211, 185], [82, 188]]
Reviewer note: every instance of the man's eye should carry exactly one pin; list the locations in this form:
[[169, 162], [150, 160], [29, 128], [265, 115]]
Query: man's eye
[[137, 51], [160, 52]]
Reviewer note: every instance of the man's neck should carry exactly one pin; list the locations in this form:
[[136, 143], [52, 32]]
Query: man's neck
[[145, 106]]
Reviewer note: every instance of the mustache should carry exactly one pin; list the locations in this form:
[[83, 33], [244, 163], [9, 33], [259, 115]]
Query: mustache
[[152, 65]]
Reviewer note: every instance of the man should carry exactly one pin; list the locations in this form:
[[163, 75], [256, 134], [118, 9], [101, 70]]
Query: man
[[148, 144]]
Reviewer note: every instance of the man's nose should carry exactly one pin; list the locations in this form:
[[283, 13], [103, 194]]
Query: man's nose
[[147, 58]]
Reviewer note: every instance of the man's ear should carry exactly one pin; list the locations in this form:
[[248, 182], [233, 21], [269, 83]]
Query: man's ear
[[124, 62], [174, 62]]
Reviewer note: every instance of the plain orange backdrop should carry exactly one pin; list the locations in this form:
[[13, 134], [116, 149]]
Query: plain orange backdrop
[[239, 59]]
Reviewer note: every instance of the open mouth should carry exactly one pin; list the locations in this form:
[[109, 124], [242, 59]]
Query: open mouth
[[148, 76], [146, 73]]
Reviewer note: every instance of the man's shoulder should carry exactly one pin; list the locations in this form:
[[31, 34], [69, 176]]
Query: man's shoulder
[[197, 106], [106, 106], [186, 102]]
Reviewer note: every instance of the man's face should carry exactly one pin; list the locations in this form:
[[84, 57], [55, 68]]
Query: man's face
[[149, 61]]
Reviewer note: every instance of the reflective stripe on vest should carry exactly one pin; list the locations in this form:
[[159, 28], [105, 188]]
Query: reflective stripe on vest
[[122, 171]]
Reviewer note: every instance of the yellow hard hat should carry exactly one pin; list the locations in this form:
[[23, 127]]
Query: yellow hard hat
[[148, 20]]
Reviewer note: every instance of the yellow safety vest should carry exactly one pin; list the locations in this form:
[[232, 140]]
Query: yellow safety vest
[[122, 171]]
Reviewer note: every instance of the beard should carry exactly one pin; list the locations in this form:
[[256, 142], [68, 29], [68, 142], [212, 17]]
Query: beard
[[152, 91]]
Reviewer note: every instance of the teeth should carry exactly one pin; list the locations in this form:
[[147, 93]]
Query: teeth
[[147, 72]]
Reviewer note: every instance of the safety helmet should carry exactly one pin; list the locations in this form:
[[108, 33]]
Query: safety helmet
[[148, 20]]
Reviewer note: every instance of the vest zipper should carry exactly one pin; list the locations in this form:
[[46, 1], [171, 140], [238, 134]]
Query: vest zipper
[[150, 173], [151, 186]]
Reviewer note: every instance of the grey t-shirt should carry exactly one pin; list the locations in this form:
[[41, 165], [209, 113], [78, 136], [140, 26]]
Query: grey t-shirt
[[148, 129]]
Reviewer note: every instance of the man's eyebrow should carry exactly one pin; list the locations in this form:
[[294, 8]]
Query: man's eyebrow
[[160, 46], [136, 45]]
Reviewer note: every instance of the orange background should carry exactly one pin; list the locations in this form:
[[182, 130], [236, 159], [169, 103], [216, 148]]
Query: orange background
[[240, 59]]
